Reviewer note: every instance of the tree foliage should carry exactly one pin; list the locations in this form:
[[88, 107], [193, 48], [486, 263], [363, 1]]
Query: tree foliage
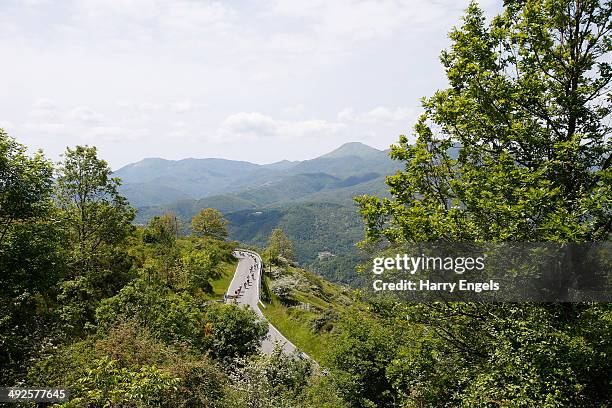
[[235, 331], [31, 258], [279, 245], [209, 223], [96, 214], [97, 220], [517, 148], [25, 184], [162, 229]]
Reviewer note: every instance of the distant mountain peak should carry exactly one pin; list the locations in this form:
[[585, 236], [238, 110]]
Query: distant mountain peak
[[281, 165], [353, 149]]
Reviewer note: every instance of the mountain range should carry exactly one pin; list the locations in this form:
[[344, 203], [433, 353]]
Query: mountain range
[[155, 181], [311, 200]]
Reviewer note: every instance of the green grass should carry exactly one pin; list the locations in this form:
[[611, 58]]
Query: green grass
[[293, 322], [295, 325], [220, 285]]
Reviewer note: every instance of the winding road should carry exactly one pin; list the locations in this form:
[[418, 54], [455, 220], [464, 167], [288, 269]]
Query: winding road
[[249, 270]]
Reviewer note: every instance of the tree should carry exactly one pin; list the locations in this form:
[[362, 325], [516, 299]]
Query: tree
[[516, 149], [162, 229], [96, 213], [25, 184], [236, 331], [31, 258], [97, 220], [280, 245], [201, 267], [170, 317], [209, 223], [106, 384], [360, 356]]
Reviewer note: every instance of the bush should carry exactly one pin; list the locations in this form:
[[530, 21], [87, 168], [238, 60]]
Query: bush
[[170, 317], [105, 384], [200, 268], [235, 331], [269, 381]]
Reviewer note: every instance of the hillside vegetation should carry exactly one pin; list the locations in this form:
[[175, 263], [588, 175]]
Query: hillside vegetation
[[124, 315], [304, 307], [312, 200], [516, 148]]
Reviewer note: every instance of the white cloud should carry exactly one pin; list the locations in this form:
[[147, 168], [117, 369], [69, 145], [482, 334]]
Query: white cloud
[[36, 3], [149, 21], [84, 115], [180, 124], [116, 133], [255, 126], [195, 16], [347, 115], [250, 125], [380, 114], [148, 106], [356, 20], [45, 109], [181, 106], [47, 129], [295, 109], [45, 103]]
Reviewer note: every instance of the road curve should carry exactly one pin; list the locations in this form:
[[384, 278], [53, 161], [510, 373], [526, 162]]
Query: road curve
[[249, 270]]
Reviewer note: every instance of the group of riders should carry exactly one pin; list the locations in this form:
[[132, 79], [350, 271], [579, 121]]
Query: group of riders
[[250, 277]]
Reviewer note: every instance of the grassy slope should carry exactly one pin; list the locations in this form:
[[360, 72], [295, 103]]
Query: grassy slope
[[313, 300], [294, 325], [220, 285], [306, 317]]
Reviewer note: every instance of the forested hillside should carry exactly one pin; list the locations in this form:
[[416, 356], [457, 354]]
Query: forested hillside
[[159, 182], [515, 149], [122, 315], [309, 200], [324, 235]]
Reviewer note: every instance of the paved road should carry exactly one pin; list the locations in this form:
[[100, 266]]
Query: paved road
[[249, 266]]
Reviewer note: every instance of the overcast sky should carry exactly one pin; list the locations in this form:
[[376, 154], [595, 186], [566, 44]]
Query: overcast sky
[[256, 80]]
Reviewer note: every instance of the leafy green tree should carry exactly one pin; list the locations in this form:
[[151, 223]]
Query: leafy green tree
[[162, 233], [209, 223], [162, 229], [235, 331], [174, 318], [359, 357], [279, 245], [105, 384], [228, 331], [97, 220], [95, 212], [201, 267], [31, 259], [25, 184], [516, 149]]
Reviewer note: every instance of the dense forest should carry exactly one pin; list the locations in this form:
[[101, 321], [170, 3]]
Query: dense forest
[[129, 316]]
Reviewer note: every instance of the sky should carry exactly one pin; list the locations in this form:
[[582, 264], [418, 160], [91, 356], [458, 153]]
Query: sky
[[254, 80]]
